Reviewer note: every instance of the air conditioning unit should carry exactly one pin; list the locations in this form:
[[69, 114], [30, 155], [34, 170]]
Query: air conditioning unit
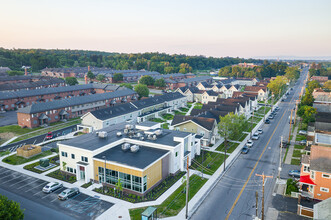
[[126, 146], [126, 131], [119, 134], [129, 126], [134, 148], [102, 134], [158, 132]]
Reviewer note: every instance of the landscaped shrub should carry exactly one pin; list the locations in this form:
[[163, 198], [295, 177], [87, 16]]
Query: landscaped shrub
[[291, 186], [67, 177]]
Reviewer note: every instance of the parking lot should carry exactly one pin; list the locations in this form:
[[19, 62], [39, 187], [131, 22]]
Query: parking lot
[[80, 206]]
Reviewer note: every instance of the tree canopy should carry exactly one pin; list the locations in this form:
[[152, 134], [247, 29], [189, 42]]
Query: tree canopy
[[118, 77], [313, 85], [231, 125], [292, 73], [100, 77], [147, 80], [277, 85], [127, 85], [160, 62], [142, 90], [90, 75], [160, 83], [320, 69], [10, 209], [71, 81]]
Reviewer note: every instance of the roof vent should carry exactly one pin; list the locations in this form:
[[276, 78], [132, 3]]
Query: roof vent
[[126, 131], [134, 148], [128, 126], [125, 146], [142, 138], [158, 132], [119, 134], [102, 134], [138, 134]]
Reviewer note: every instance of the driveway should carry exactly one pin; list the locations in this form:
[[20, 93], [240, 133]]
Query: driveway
[[27, 190], [8, 118], [286, 168]]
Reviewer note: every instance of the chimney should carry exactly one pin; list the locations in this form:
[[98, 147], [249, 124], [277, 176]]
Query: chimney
[[88, 68], [25, 71], [86, 79]]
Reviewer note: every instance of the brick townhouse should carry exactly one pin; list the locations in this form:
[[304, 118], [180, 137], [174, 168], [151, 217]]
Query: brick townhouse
[[47, 112], [19, 99], [45, 82]]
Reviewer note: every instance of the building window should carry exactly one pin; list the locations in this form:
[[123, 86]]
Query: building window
[[312, 174], [176, 154], [323, 189], [34, 121], [84, 159], [326, 176], [64, 154], [311, 188], [72, 156]]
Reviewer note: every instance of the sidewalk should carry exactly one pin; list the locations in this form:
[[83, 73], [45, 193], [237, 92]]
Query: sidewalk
[[291, 148], [192, 107]]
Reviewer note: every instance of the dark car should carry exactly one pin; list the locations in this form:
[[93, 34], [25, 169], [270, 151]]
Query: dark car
[[267, 121], [285, 144], [245, 150], [294, 173], [49, 135]]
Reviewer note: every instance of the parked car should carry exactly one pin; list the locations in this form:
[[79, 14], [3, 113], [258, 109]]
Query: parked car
[[249, 143], [267, 121], [244, 150], [52, 186], [255, 136], [294, 173], [66, 194], [303, 142], [303, 132], [49, 135], [260, 131], [271, 116], [285, 144]]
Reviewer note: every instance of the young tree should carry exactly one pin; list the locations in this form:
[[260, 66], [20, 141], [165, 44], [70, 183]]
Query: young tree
[[100, 77], [118, 77], [10, 209], [71, 81], [119, 186], [230, 126], [142, 90], [160, 83], [64, 167], [147, 80], [127, 85], [90, 75]]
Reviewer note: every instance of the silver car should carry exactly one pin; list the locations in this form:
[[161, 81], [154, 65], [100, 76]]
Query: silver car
[[249, 143], [260, 131], [66, 194], [255, 136], [52, 186]]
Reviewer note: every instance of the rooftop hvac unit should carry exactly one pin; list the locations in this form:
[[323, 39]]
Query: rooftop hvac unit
[[142, 138], [138, 134], [158, 132], [129, 127], [134, 148], [126, 131], [119, 134], [154, 137], [125, 146], [102, 134]]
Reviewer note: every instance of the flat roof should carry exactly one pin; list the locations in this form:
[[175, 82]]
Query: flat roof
[[92, 142], [141, 159]]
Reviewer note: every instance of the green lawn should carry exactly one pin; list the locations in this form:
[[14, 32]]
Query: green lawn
[[261, 110], [179, 113], [175, 202], [197, 106], [17, 160], [165, 126], [168, 116], [45, 130], [184, 109], [297, 146], [285, 154], [300, 137], [4, 153], [230, 148], [297, 153], [17, 130], [32, 166], [303, 126], [295, 161], [157, 120], [212, 161]]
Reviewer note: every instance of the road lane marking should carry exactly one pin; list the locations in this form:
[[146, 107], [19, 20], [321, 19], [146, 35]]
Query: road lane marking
[[250, 175]]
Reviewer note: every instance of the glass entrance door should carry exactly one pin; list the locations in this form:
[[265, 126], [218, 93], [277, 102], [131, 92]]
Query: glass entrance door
[[82, 173]]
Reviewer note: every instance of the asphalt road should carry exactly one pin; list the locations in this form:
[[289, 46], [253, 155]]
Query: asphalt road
[[8, 118], [27, 191], [234, 195], [39, 138]]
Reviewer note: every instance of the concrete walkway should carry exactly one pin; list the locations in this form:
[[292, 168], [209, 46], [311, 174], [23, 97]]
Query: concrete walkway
[[192, 107], [291, 148]]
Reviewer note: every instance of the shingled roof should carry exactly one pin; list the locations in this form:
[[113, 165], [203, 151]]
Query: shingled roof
[[207, 123]]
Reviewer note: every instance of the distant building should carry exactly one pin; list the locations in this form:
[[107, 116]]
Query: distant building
[[4, 71], [320, 79]]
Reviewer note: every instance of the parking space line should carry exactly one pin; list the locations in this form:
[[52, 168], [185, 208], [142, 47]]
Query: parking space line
[[29, 183], [46, 195], [11, 179], [37, 193], [55, 199], [8, 171], [21, 181], [35, 187]]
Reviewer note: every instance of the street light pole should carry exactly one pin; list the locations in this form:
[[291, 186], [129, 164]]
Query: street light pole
[[280, 156], [104, 175]]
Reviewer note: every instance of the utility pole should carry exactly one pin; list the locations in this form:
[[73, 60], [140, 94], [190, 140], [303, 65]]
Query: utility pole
[[280, 156], [264, 109], [295, 112], [187, 187], [257, 202], [225, 146], [252, 125], [263, 181], [289, 135]]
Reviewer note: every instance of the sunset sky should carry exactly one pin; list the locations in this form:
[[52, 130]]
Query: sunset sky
[[245, 28]]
